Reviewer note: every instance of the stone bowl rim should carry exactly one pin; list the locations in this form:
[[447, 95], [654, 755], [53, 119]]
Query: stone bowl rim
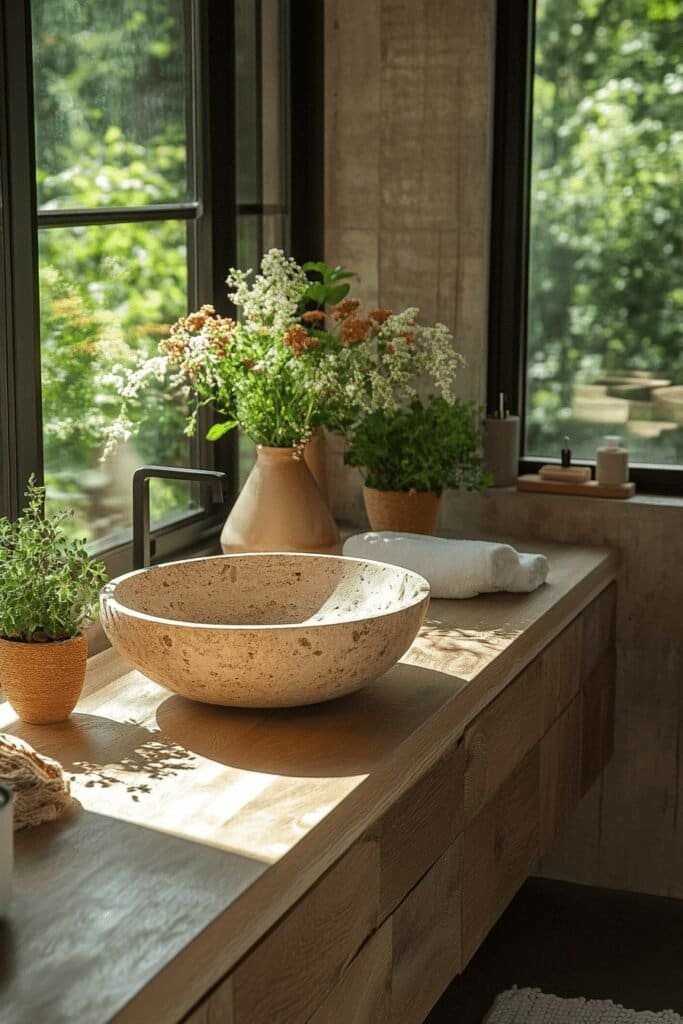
[[108, 591]]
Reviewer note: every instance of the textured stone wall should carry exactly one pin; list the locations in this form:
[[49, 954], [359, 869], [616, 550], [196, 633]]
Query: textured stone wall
[[408, 112], [408, 89], [408, 104]]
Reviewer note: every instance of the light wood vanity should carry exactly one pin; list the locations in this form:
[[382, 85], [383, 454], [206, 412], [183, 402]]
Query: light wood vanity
[[337, 863]]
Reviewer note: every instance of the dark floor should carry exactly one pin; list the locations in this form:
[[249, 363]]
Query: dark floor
[[571, 940]]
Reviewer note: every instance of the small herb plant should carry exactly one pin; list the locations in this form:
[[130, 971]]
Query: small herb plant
[[424, 447], [49, 585]]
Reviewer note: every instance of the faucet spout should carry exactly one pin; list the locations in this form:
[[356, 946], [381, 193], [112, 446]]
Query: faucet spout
[[141, 478]]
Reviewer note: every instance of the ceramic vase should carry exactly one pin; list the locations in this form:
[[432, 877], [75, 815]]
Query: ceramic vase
[[6, 847], [43, 681], [280, 508], [315, 459], [402, 511]]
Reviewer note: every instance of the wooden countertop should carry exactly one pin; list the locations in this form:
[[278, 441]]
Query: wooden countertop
[[198, 827]]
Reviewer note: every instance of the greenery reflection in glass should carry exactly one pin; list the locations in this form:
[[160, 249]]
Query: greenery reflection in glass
[[107, 293], [606, 255], [110, 82]]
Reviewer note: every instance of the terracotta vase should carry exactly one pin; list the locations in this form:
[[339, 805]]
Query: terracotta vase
[[280, 508], [315, 459], [402, 511], [43, 681]]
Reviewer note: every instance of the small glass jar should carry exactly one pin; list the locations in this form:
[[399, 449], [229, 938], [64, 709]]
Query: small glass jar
[[611, 462]]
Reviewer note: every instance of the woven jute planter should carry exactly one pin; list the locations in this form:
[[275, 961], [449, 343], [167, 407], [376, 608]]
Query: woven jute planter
[[43, 681], [402, 511]]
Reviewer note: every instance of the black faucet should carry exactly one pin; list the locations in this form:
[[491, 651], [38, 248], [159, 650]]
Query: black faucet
[[141, 479]]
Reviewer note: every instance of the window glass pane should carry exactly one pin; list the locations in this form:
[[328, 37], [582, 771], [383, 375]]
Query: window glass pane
[[106, 292], [605, 338], [274, 101], [110, 82]]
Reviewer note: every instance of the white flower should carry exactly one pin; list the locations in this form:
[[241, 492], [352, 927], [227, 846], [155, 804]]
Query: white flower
[[273, 298]]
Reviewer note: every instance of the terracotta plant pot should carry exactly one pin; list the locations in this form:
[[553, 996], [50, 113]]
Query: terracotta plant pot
[[280, 508], [43, 681], [402, 511]]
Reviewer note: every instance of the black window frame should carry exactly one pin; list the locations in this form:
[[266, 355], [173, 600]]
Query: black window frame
[[509, 235], [212, 236]]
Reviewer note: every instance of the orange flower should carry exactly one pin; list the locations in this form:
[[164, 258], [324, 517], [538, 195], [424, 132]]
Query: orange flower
[[355, 329], [312, 316], [345, 308], [296, 338], [378, 316]]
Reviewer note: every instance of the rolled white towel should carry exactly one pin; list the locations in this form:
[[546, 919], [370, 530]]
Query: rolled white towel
[[453, 568], [531, 572]]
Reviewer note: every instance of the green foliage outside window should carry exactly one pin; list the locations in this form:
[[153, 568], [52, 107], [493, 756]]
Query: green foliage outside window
[[110, 98], [606, 255]]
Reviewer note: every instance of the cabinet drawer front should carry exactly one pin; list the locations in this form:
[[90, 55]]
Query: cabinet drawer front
[[426, 939], [560, 771], [598, 720], [287, 976], [423, 823], [501, 846], [501, 736], [363, 993]]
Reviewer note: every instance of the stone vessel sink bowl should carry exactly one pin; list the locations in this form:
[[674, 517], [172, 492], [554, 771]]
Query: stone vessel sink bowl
[[264, 630]]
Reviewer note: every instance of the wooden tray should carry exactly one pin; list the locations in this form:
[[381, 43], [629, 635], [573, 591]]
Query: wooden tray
[[589, 489]]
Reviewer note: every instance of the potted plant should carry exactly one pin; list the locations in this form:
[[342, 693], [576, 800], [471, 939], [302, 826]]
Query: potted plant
[[49, 589], [409, 448], [260, 374], [410, 455]]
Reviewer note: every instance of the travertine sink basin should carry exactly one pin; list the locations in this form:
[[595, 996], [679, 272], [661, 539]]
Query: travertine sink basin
[[264, 630]]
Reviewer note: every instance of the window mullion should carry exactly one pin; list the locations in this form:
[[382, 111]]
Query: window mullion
[[22, 419], [216, 230], [86, 217]]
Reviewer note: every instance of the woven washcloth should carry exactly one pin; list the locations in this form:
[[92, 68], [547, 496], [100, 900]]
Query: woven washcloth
[[41, 792], [531, 1006]]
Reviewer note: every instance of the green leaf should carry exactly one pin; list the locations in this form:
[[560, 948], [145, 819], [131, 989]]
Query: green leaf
[[335, 295], [217, 431]]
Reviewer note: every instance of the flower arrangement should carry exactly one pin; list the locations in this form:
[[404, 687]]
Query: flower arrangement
[[303, 354], [381, 360], [260, 372], [390, 391]]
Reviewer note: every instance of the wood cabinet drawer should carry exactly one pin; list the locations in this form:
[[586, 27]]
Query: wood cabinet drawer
[[286, 977], [363, 993], [423, 823], [501, 845], [598, 720], [562, 669], [216, 1008], [427, 938], [560, 771], [501, 736], [598, 630]]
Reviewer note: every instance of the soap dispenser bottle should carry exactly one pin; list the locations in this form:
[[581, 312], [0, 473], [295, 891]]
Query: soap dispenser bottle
[[611, 462]]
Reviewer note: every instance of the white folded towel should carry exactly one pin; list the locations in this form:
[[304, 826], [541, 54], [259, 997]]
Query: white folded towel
[[453, 568]]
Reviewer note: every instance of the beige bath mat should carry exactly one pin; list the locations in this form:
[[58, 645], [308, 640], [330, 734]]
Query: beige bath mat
[[531, 1006]]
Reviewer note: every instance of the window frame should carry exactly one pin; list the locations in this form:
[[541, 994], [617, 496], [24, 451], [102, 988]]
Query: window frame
[[509, 235], [211, 237]]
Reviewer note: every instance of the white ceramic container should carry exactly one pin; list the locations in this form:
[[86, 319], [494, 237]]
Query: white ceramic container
[[6, 848]]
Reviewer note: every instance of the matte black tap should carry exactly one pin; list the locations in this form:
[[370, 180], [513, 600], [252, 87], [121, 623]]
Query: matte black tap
[[141, 479]]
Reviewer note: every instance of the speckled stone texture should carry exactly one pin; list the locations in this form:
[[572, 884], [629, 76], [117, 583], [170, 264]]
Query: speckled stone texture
[[264, 630]]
